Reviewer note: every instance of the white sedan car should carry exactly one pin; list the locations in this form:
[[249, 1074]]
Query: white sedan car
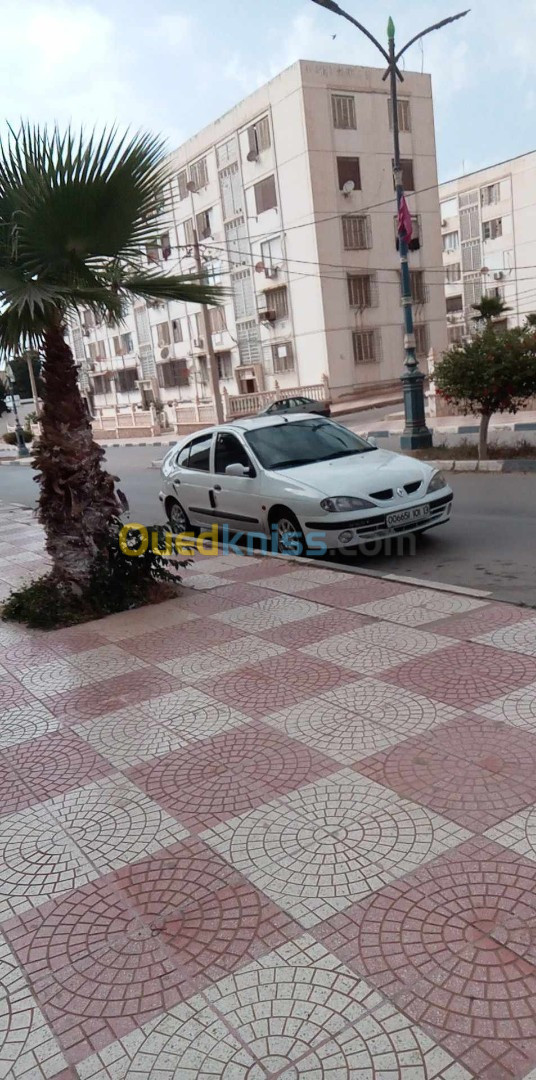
[[300, 480]]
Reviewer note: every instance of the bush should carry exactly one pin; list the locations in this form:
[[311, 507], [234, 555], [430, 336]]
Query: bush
[[119, 582], [11, 438]]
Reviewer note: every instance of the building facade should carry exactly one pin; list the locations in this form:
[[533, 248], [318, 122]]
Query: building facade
[[291, 197], [488, 225]]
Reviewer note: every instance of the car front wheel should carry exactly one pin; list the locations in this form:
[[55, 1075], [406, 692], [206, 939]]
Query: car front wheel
[[290, 538]]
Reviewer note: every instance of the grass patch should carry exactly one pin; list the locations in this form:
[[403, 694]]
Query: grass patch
[[466, 451]]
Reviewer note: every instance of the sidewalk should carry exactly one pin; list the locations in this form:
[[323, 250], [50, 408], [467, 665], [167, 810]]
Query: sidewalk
[[283, 826]]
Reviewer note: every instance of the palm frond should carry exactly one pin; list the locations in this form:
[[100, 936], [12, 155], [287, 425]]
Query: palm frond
[[189, 288]]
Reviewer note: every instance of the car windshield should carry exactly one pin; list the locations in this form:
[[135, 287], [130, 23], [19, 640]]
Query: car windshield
[[286, 446]]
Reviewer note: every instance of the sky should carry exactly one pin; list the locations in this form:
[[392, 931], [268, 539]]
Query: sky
[[173, 66]]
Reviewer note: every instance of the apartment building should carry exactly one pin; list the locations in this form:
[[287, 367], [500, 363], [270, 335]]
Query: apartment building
[[488, 225], [292, 199]]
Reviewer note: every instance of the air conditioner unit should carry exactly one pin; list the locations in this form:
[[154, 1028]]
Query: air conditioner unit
[[164, 353], [443, 223], [253, 155], [191, 186], [271, 271], [268, 316], [198, 343], [498, 275]]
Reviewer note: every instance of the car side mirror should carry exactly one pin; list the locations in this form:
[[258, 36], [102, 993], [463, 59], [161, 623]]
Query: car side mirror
[[238, 470], [372, 442]]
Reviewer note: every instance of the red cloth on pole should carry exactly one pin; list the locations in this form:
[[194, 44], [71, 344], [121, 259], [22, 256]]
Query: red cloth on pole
[[405, 224]]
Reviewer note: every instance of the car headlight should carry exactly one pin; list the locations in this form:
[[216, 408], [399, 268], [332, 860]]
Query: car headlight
[[341, 503], [437, 481]]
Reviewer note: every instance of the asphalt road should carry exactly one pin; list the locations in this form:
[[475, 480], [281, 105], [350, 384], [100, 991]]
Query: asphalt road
[[488, 544]]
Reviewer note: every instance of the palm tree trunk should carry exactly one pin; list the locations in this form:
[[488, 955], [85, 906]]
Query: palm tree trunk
[[483, 437], [77, 500]]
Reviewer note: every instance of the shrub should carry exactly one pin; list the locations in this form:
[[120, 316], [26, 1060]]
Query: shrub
[[11, 438]]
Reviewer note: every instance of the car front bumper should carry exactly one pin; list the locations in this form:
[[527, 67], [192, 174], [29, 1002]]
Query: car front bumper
[[357, 530]]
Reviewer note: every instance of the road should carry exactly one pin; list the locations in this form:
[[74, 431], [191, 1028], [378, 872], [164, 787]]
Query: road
[[489, 543]]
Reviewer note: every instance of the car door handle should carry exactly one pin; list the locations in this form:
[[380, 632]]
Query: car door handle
[[217, 487]]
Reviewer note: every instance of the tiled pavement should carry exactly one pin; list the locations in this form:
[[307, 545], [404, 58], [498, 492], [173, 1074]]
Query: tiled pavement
[[283, 826]]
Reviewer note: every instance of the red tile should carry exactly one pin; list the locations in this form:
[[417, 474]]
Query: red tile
[[465, 675], [110, 695], [182, 640], [51, 765], [12, 692], [309, 631], [423, 770], [252, 569], [480, 621], [358, 589], [223, 777], [273, 684], [452, 945], [490, 744], [140, 941]]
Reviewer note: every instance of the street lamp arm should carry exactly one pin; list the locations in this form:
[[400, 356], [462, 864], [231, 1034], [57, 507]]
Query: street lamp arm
[[436, 26], [332, 6]]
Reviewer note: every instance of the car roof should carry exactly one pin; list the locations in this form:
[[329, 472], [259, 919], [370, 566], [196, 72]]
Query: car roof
[[250, 423]]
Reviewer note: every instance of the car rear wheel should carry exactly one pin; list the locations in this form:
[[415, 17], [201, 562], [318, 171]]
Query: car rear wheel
[[290, 538], [177, 516]]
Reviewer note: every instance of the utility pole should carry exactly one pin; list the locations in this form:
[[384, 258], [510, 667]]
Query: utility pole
[[22, 449], [416, 435], [214, 376], [29, 361]]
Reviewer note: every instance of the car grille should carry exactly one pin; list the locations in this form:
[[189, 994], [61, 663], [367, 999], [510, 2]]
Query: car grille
[[414, 486], [388, 493]]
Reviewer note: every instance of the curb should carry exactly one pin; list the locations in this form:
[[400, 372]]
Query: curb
[[506, 465], [27, 462]]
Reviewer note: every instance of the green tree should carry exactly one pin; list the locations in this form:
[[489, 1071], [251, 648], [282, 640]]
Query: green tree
[[21, 376], [495, 372], [76, 215]]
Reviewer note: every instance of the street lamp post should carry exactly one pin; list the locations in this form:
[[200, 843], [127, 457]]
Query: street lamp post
[[416, 435], [22, 449]]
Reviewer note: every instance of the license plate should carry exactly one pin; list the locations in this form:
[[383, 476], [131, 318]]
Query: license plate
[[407, 517]]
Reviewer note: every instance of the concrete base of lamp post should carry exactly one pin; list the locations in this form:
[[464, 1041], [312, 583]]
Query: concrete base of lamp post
[[416, 435]]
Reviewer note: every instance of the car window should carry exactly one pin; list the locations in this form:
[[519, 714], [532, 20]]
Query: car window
[[229, 451], [182, 457], [272, 408], [285, 446], [200, 453]]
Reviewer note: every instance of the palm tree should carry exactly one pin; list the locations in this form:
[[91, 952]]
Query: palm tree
[[489, 308], [76, 215]]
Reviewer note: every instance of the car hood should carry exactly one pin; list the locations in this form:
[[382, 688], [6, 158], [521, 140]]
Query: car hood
[[360, 474]]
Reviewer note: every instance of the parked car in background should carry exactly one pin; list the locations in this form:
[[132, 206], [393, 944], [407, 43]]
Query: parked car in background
[[287, 477], [297, 404]]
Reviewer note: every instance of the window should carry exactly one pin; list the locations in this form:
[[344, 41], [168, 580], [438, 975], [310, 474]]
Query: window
[[422, 346], [454, 303], [163, 335], [343, 111], [88, 320], [227, 152], [283, 357], [189, 232], [490, 194], [199, 457], [213, 272], [492, 229], [199, 174], [93, 354], [216, 317], [125, 381], [419, 291], [469, 198], [244, 299], [165, 245], [265, 195], [229, 451], [176, 327], [203, 224], [152, 252], [101, 384], [249, 346], [123, 344], [348, 170], [101, 349], [356, 232], [272, 253], [472, 290], [361, 290], [448, 209], [406, 167], [471, 255], [277, 300], [303, 442], [199, 325], [453, 272], [236, 241], [78, 344], [469, 223], [404, 114], [455, 334], [232, 195], [173, 373], [259, 136], [225, 365], [366, 346], [451, 241], [182, 181]]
